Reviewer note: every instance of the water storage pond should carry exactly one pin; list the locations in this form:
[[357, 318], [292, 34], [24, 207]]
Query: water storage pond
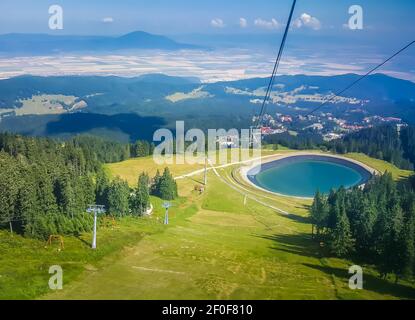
[[303, 175]]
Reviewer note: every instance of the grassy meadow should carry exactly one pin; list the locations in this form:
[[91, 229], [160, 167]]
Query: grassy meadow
[[217, 246]]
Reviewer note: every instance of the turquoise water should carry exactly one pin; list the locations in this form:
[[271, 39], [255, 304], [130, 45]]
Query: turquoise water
[[304, 177]]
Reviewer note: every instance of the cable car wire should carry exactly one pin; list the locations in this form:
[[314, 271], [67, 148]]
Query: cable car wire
[[361, 78], [276, 65]]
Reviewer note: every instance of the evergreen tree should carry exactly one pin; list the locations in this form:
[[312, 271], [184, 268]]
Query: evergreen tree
[[101, 188], [167, 187], [154, 189], [45, 193], [9, 188], [408, 235], [85, 190], [362, 227], [406, 246], [27, 205], [141, 198], [65, 195], [387, 230], [118, 197], [336, 201], [141, 149], [341, 242], [319, 213]]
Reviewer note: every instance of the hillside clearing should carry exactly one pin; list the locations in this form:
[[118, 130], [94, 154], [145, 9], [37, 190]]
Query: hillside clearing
[[218, 248]]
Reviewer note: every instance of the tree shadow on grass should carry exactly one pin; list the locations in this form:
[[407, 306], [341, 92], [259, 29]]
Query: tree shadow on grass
[[195, 180], [305, 206], [370, 282], [303, 245], [299, 244], [86, 243], [297, 218]]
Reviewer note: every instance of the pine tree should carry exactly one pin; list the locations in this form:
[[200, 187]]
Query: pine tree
[[341, 242], [141, 197], [9, 188], [85, 190], [406, 248], [101, 188], [27, 205], [65, 195], [154, 190], [167, 188], [46, 195], [319, 213], [141, 148], [118, 198], [363, 226], [334, 200], [390, 228]]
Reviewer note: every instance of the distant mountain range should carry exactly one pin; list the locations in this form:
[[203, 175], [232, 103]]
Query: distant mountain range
[[59, 105], [35, 44]]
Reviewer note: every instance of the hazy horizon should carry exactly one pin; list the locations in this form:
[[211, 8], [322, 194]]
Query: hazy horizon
[[241, 40]]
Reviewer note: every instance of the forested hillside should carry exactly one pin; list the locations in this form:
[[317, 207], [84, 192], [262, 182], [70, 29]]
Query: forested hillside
[[389, 143], [46, 185], [375, 224], [128, 109]]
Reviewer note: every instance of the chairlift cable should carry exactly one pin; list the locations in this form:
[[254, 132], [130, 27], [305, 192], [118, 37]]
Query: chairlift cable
[[276, 65], [361, 78]]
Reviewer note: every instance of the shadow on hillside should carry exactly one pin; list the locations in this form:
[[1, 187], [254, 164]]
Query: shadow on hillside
[[297, 218], [135, 126], [86, 243], [299, 244], [195, 180], [303, 245], [370, 282]]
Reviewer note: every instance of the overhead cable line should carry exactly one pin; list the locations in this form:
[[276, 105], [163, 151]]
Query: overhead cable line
[[276, 65], [361, 78]]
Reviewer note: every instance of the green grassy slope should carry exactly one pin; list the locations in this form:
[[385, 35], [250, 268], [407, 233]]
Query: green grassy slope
[[215, 247]]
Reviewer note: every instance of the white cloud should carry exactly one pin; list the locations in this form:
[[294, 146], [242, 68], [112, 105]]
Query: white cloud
[[243, 23], [273, 24], [307, 21], [217, 23], [108, 20]]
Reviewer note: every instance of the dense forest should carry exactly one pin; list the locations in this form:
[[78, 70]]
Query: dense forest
[[302, 141], [389, 142], [375, 224], [46, 185]]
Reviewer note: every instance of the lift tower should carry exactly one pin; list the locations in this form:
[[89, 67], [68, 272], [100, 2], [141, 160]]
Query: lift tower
[[95, 209]]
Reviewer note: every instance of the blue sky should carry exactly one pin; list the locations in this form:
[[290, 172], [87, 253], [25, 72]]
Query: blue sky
[[318, 41], [205, 17]]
